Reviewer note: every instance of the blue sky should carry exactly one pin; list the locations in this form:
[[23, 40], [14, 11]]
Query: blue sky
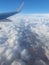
[[30, 6]]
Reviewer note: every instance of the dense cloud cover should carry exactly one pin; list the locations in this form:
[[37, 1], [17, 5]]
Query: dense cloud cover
[[25, 40]]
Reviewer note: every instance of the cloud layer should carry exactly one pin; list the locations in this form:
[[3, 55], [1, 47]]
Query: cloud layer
[[25, 40]]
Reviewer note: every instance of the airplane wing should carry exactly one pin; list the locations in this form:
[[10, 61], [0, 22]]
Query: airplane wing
[[20, 7], [5, 15]]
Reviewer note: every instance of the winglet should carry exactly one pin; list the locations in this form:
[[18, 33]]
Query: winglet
[[20, 7]]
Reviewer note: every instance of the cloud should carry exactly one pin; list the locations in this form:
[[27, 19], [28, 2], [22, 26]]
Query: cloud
[[25, 40]]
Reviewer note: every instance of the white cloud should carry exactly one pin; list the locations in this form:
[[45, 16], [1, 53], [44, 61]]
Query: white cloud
[[24, 38]]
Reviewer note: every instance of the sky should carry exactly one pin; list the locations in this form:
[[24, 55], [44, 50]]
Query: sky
[[30, 6]]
